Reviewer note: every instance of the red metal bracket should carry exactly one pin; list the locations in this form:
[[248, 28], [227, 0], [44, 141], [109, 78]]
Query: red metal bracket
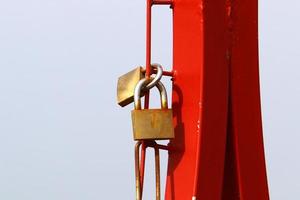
[[150, 3]]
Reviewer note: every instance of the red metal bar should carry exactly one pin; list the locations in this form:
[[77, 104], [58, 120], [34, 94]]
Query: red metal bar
[[157, 172], [162, 2], [148, 37], [142, 165], [148, 73], [165, 73], [137, 171], [148, 46]]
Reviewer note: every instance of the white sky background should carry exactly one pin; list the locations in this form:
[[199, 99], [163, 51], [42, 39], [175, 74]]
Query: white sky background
[[62, 135]]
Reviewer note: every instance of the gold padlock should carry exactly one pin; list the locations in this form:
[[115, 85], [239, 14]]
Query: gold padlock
[[126, 85], [128, 81], [154, 124]]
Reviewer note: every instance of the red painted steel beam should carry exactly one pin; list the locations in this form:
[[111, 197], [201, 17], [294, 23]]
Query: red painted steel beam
[[216, 102], [200, 93], [245, 133]]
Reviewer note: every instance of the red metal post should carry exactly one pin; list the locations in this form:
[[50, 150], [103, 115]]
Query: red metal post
[[148, 45], [218, 146], [200, 94]]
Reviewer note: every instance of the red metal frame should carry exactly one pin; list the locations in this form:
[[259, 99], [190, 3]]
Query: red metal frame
[[218, 151], [150, 3]]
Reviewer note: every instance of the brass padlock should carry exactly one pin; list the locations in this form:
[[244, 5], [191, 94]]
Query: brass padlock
[[128, 81], [154, 124], [126, 85]]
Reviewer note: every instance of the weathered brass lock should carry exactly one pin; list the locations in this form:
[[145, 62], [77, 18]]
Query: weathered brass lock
[[154, 124], [128, 81], [126, 85]]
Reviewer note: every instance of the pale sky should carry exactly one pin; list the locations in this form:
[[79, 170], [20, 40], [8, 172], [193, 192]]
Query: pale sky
[[62, 135]]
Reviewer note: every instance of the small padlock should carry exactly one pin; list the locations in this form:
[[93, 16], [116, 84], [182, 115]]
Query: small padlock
[[154, 124], [128, 81], [126, 85]]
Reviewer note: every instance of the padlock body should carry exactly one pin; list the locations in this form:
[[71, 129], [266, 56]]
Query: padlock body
[[126, 85], [155, 124]]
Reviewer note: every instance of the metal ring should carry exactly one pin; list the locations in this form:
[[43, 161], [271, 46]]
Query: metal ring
[[157, 77]]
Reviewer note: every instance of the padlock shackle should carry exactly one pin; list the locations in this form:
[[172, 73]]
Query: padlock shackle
[[138, 90], [157, 77]]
